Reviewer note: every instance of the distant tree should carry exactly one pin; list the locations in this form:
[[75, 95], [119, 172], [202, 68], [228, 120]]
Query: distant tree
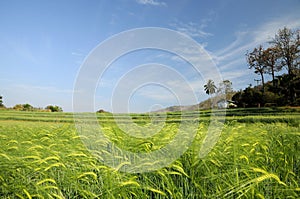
[[284, 52], [23, 107], [250, 97], [255, 61], [102, 111], [1, 102], [225, 87], [237, 98], [27, 107], [210, 87], [53, 108], [18, 107], [287, 42]]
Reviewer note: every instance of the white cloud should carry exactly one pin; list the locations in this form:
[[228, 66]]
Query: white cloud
[[232, 64], [268, 30], [191, 29], [230, 75], [77, 54], [246, 40], [151, 2], [231, 59]]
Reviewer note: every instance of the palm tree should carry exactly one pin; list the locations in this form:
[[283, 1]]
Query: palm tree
[[210, 87]]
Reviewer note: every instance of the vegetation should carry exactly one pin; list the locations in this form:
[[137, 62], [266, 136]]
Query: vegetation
[[23, 107], [28, 107], [1, 102], [54, 108], [255, 60], [282, 54], [210, 88], [257, 156]]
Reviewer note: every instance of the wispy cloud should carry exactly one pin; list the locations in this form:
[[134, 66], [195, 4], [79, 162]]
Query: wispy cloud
[[191, 29], [267, 31], [231, 59], [263, 34], [151, 2], [77, 54]]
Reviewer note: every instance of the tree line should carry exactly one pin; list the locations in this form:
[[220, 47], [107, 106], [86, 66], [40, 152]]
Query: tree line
[[281, 57], [28, 107]]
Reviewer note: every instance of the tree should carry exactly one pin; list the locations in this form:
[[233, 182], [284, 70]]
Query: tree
[[288, 89], [101, 111], [270, 58], [27, 107], [1, 102], [225, 87], [210, 87], [23, 107], [18, 107], [54, 108], [255, 60], [249, 97], [288, 44]]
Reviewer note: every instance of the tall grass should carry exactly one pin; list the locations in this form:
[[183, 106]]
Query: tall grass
[[258, 159]]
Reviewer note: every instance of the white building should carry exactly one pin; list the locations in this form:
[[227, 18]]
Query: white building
[[226, 104]]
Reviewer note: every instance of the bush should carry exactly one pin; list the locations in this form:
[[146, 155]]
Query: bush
[[54, 108], [23, 107]]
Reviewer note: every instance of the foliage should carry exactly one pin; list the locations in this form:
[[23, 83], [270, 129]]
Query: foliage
[[284, 52], [1, 102], [224, 90], [54, 108], [255, 61], [250, 97], [225, 87], [102, 111], [287, 43], [23, 107], [210, 87], [270, 59], [284, 91]]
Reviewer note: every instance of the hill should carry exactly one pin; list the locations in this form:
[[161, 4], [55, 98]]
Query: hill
[[204, 105]]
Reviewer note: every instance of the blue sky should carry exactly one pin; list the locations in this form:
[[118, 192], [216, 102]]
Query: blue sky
[[43, 45]]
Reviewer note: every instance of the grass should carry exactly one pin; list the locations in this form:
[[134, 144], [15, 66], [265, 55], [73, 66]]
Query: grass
[[257, 156]]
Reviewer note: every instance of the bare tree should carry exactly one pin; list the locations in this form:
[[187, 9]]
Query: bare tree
[[255, 61], [270, 59], [225, 89], [288, 44]]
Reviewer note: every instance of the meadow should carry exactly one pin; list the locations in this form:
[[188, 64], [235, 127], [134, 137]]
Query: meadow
[[256, 156]]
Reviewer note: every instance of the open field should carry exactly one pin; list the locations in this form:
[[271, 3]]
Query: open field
[[257, 156]]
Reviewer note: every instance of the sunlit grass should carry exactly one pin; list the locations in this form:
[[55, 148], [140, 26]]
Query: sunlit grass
[[257, 156]]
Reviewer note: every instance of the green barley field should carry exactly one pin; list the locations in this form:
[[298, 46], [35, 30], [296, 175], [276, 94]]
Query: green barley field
[[256, 156]]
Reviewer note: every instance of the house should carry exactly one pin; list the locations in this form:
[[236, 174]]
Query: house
[[226, 104]]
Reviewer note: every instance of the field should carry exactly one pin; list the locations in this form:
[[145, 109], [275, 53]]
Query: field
[[256, 156]]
